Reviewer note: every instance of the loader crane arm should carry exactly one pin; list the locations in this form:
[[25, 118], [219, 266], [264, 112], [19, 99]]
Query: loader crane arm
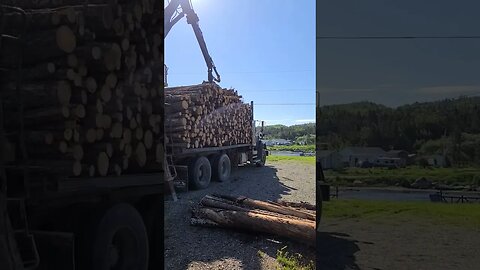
[[174, 11]]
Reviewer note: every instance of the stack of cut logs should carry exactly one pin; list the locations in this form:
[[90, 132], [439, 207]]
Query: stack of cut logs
[[286, 219], [82, 90], [206, 115]]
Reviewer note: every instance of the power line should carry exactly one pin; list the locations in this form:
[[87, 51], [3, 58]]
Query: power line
[[243, 72], [398, 37], [283, 104], [273, 91]]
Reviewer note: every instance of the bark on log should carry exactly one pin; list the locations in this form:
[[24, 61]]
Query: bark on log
[[297, 229], [268, 206]]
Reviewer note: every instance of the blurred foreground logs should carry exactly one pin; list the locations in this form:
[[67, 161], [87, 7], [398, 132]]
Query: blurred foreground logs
[[82, 90]]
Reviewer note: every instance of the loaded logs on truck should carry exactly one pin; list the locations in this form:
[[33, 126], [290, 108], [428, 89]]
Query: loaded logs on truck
[[82, 88], [206, 115], [291, 220]]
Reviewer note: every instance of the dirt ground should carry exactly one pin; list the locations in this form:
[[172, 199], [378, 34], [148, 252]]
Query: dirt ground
[[406, 244], [191, 247]]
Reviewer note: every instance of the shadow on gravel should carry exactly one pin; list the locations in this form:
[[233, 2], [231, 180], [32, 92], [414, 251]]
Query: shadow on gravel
[[267, 181], [206, 248], [335, 251]]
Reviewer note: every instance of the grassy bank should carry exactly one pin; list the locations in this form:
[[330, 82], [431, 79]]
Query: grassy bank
[[303, 159], [304, 148], [405, 176], [467, 215]]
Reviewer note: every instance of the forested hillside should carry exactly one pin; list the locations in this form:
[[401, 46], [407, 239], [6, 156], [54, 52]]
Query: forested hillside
[[452, 125], [289, 132]]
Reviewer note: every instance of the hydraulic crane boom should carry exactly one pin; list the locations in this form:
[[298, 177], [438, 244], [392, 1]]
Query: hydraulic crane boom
[[174, 12]]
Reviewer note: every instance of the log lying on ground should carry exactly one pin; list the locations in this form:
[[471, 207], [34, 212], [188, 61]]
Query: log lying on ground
[[269, 206], [254, 215]]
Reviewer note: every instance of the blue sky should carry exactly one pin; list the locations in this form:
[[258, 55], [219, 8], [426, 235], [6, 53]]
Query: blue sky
[[264, 49], [395, 72]]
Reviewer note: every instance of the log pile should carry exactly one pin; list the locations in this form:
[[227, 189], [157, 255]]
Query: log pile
[[291, 220], [206, 115], [82, 90]]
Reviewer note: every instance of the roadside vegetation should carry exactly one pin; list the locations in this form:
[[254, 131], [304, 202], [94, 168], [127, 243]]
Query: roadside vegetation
[[404, 176], [467, 215], [303, 159], [293, 261], [310, 148]]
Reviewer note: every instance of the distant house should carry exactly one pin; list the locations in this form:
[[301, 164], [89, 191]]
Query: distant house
[[281, 142], [399, 157], [277, 142], [436, 160], [269, 142], [329, 159], [353, 156]]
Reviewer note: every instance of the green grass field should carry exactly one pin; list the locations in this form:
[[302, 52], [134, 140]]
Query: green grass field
[[402, 176], [467, 215], [304, 148], [303, 159]]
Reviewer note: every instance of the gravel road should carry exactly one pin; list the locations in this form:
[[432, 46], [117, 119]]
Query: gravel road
[[191, 247], [404, 244]]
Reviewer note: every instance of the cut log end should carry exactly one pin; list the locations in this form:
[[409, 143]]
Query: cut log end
[[148, 139], [66, 39]]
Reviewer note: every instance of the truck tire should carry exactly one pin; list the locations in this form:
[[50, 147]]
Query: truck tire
[[221, 168], [119, 240], [262, 159], [200, 173]]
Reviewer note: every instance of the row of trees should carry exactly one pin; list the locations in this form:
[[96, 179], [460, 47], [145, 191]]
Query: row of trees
[[304, 132], [449, 126]]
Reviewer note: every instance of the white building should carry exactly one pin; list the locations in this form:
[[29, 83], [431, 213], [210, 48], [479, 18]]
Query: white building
[[353, 156]]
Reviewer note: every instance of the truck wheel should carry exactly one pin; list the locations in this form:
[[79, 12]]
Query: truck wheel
[[200, 173], [119, 240], [263, 158], [222, 168]]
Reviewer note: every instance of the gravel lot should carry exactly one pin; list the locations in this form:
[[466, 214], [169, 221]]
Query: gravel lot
[[190, 247], [406, 244]]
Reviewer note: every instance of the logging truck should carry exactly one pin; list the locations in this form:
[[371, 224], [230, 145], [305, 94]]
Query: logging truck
[[209, 131]]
